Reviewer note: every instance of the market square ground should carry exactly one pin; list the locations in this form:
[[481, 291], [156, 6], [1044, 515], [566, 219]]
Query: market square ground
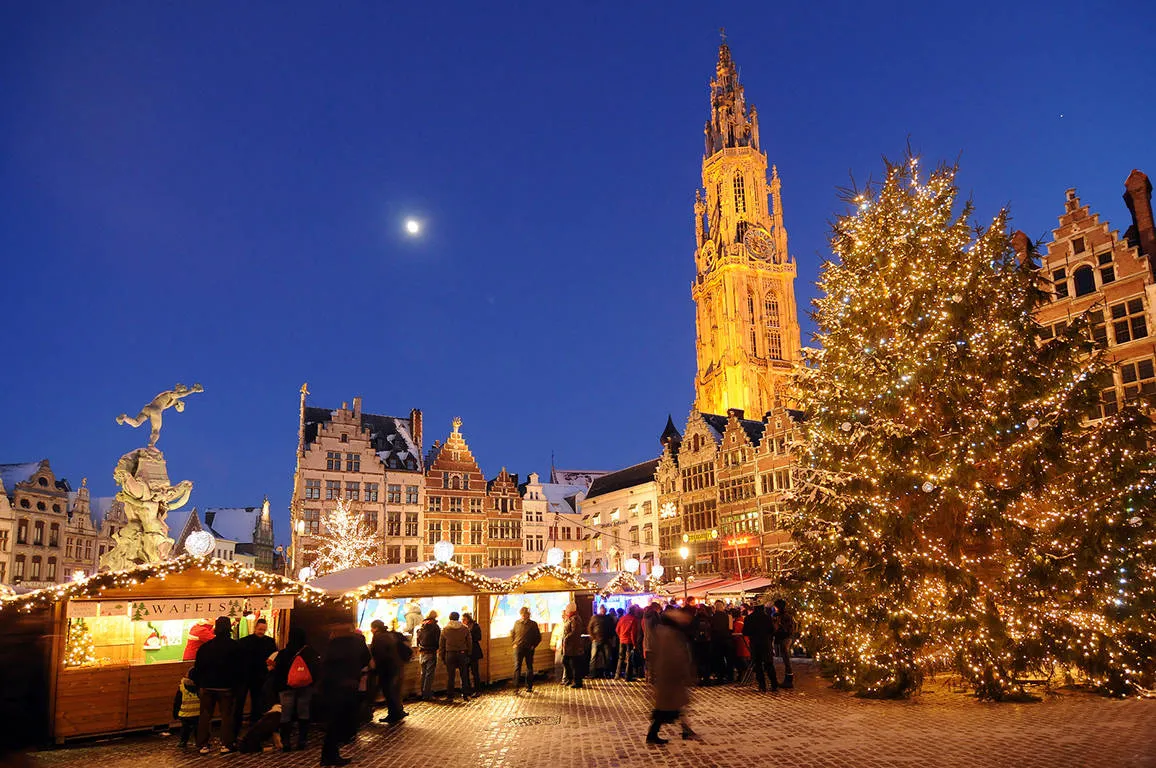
[[812, 725]]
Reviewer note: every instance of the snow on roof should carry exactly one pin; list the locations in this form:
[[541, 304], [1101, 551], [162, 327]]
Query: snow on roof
[[556, 495], [177, 521], [582, 478], [233, 523], [11, 474], [352, 578]]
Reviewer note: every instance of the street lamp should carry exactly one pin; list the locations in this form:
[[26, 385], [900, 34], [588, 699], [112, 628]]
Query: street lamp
[[684, 553]]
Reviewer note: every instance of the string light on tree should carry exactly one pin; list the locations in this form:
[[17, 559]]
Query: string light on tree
[[345, 542], [79, 651]]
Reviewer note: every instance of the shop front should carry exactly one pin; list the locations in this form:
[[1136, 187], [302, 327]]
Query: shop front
[[121, 641]]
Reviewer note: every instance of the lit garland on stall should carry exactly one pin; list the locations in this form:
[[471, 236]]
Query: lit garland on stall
[[954, 511], [449, 569], [95, 586], [574, 580], [623, 583], [346, 541]]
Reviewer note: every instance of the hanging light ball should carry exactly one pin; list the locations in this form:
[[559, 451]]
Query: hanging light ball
[[841, 560], [306, 574], [957, 298], [443, 551], [200, 543], [657, 571], [631, 564], [555, 556], [928, 487], [846, 426], [1135, 522], [1033, 422]]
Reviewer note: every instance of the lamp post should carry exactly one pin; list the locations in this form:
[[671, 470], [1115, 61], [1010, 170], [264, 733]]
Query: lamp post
[[684, 553]]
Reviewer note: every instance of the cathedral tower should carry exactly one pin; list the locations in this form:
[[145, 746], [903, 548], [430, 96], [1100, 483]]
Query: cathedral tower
[[744, 294]]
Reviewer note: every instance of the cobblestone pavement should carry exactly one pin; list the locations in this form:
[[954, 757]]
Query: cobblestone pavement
[[604, 726]]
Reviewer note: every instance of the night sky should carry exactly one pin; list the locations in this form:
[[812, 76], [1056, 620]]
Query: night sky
[[215, 192]]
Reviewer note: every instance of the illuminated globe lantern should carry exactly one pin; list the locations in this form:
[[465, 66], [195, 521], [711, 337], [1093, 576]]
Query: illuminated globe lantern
[[200, 543], [657, 571], [443, 551], [306, 574], [632, 564], [555, 556]]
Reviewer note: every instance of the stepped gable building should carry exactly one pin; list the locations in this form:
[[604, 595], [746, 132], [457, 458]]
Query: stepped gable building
[[504, 521], [456, 495], [1094, 271], [748, 339], [373, 461]]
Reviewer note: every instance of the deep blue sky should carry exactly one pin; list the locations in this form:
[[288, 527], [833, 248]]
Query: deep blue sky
[[214, 192]]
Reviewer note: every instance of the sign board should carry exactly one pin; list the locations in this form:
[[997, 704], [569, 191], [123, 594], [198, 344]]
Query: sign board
[[83, 610], [206, 607]]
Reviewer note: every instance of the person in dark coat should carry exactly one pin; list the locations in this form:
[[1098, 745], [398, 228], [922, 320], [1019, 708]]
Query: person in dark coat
[[429, 637], [345, 658], [387, 661], [721, 648], [218, 673], [671, 673], [573, 647], [759, 631], [255, 652], [701, 643], [456, 646], [599, 630], [295, 701], [525, 637], [476, 654]]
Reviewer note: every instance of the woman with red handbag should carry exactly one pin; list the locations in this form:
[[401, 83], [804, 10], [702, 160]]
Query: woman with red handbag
[[294, 673]]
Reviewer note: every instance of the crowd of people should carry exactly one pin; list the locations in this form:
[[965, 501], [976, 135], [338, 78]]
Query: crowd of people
[[671, 647]]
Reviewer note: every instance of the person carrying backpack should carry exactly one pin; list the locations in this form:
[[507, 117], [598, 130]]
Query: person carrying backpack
[[784, 631], [526, 637], [294, 674]]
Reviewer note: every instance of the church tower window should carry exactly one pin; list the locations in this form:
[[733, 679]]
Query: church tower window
[[774, 336], [740, 193]]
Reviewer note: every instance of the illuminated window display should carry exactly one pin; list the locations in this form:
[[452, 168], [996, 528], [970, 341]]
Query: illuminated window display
[[393, 611], [545, 608]]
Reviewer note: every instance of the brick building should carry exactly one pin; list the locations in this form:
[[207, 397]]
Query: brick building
[[456, 496], [374, 461], [1093, 271]]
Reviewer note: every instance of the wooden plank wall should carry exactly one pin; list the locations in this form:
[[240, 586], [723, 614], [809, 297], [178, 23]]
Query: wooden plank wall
[[150, 693], [26, 645], [91, 700]]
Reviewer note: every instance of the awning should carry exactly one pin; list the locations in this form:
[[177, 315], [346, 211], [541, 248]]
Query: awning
[[737, 588], [696, 589]]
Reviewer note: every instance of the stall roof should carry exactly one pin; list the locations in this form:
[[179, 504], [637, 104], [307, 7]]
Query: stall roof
[[540, 577], [405, 580], [616, 582], [737, 587], [700, 589], [195, 571], [352, 578]]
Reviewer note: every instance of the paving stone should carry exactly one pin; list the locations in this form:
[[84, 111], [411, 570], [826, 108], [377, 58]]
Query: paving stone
[[603, 726]]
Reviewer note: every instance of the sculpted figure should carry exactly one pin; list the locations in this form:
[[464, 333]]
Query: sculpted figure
[[172, 398]]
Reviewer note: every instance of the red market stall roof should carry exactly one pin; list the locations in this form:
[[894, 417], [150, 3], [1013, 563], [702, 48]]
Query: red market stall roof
[[696, 589], [737, 588]]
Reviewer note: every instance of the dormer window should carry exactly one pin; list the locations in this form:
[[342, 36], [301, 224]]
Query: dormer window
[[1085, 280], [43, 481], [1078, 245]]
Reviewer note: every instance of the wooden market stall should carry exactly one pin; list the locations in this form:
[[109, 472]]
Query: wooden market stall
[[401, 595], [122, 640], [621, 589], [546, 590]]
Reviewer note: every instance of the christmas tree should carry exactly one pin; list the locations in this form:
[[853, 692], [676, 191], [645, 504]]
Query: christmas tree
[[937, 468], [345, 542], [78, 649]]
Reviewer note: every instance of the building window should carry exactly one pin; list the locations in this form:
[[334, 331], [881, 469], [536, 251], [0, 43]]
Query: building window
[[1060, 283], [1128, 321], [465, 482], [411, 527], [392, 522], [1109, 404], [38, 533], [22, 532], [393, 494], [18, 569], [1078, 245], [34, 573], [434, 503], [774, 335], [2, 571], [445, 479], [455, 531], [1085, 280], [1107, 269], [476, 506], [344, 437], [312, 521], [411, 494], [1098, 328], [371, 522], [333, 461], [4, 545], [411, 553], [648, 534], [352, 462], [740, 193], [393, 554], [352, 491], [371, 491], [477, 533], [54, 535], [312, 489], [456, 483], [50, 574], [332, 489], [1139, 379], [634, 535], [87, 550], [41, 506], [504, 556], [456, 504], [433, 532]]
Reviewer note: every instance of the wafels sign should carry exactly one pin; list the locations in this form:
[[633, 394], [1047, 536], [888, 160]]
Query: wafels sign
[[194, 608]]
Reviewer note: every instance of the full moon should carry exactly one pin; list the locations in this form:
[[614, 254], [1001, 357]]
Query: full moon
[[412, 226]]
